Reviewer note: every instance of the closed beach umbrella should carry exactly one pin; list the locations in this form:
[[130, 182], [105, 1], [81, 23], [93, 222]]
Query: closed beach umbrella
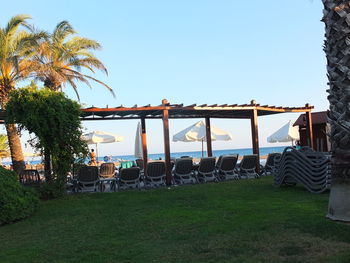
[[96, 137], [287, 133], [197, 132], [138, 143]]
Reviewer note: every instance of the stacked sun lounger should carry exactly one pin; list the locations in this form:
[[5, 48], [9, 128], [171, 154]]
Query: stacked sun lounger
[[306, 167]]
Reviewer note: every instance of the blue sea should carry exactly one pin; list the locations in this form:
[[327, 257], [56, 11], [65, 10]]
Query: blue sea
[[196, 154]]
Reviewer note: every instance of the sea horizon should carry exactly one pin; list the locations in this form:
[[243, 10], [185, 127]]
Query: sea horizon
[[198, 154], [195, 154]]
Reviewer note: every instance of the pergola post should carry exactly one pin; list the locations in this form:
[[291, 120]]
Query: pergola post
[[309, 131], [255, 136], [144, 144], [166, 143], [208, 136]]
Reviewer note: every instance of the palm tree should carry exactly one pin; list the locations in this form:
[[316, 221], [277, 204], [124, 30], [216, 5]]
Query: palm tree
[[337, 49], [4, 147], [16, 50], [62, 57]]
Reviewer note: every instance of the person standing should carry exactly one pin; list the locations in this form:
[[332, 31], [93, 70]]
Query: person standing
[[93, 160]]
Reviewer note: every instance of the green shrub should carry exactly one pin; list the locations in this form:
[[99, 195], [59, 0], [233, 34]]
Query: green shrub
[[51, 190], [16, 202], [57, 132]]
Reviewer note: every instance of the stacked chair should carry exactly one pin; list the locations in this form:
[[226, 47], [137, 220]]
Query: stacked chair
[[155, 174], [225, 167], [306, 167], [183, 171]]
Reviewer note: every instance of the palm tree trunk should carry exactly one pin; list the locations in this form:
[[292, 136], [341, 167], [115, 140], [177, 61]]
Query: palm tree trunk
[[337, 49], [15, 148]]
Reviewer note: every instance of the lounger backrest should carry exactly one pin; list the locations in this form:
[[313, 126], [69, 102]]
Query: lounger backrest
[[156, 169], [139, 163], [270, 161], [249, 161], [207, 165], [107, 169], [29, 177], [228, 162], [183, 166], [127, 174], [218, 162], [88, 174]]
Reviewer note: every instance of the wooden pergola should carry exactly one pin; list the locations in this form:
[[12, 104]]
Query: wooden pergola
[[167, 111]]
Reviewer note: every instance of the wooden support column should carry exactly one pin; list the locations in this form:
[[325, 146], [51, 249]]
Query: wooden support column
[[166, 144], [144, 144], [208, 135], [309, 131], [255, 136]]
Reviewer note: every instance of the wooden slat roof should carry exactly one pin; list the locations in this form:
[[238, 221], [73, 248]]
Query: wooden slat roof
[[177, 111], [317, 118]]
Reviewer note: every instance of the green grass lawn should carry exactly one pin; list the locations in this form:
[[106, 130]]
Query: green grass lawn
[[236, 221]]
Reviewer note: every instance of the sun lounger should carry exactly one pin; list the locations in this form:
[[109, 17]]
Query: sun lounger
[[247, 167], [270, 164], [29, 177], [107, 177], [139, 163], [88, 179], [183, 171], [107, 170], [155, 174], [206, 170], [225, 167], [129, 178]]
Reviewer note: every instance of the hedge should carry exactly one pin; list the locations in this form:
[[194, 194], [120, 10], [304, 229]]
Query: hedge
[[16, 201]]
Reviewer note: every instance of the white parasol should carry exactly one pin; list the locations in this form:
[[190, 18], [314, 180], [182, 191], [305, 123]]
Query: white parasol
[[197, 132], [96, 137], [138, 143], [286, 133]]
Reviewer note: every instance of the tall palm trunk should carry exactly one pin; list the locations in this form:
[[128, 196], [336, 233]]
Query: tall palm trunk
[[14, 141], [15, 148], [337, 49]]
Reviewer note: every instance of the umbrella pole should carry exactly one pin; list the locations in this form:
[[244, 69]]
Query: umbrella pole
[[202, 148]]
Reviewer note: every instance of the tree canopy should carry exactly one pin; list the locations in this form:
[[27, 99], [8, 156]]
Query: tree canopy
[[54, 119]]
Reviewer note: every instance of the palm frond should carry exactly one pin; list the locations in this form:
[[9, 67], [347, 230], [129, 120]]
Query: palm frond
[[14, 23], [62, 31]]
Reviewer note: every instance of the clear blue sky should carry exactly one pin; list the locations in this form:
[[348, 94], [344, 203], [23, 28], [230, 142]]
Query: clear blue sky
[[195, 52]]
